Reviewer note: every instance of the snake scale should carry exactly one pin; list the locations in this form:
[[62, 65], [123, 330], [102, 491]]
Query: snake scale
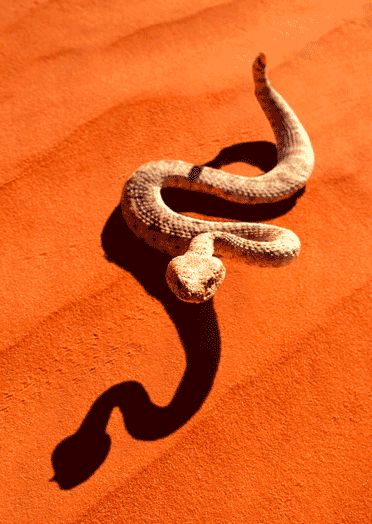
[[195, 272]]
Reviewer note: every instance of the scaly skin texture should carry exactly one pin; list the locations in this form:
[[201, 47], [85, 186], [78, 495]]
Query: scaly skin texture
[[195, 272]]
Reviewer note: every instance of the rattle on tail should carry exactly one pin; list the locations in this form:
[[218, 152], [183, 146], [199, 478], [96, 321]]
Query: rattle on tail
[[196, 272]]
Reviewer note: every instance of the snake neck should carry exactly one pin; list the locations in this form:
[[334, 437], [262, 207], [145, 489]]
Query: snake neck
[[276, 246]]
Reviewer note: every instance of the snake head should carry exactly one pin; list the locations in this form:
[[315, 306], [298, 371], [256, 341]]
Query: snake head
[[194, 277]]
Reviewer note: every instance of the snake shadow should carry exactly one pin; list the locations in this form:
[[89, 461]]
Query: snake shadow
[[79, 455]]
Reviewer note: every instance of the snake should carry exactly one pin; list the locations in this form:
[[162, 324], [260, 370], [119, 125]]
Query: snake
[[197, 246]]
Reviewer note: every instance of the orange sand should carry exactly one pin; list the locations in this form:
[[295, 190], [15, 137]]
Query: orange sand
[[256, 404]]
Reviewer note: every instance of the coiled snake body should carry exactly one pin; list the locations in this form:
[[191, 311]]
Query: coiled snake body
[[195, 272]]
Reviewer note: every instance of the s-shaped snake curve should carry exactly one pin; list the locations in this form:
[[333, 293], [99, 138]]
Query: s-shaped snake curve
[[195, 272]]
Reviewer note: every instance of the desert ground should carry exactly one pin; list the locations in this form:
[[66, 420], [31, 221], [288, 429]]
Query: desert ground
[[120, 403]]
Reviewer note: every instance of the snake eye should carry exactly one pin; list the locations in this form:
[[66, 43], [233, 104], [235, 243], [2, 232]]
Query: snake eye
[[210, 282], [178, 283]]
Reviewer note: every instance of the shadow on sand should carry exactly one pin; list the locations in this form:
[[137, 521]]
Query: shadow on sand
[[78, 456]]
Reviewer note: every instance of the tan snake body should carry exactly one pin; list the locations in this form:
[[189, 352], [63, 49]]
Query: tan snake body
[[196, 271]]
